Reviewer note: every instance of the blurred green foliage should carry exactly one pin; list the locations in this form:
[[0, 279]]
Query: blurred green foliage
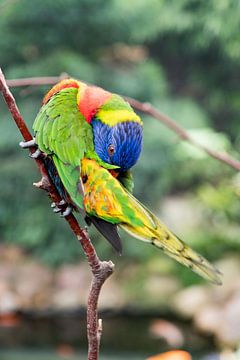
[[183, 56]]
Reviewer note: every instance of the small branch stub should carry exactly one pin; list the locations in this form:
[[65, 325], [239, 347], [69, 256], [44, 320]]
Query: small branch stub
[[43, 184], [100, 329]]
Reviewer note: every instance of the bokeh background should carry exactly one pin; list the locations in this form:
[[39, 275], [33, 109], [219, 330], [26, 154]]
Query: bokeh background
[[184, 57]]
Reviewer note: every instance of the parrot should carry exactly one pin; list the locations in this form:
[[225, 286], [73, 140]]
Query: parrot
[[78, 120], [91, 139], [105, 197]]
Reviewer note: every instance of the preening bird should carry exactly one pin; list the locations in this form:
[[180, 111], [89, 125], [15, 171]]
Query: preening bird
[[91, 138]]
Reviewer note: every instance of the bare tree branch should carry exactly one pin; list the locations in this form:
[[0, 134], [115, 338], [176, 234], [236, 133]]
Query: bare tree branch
[[36, 81], [146, 108], [101, 270]]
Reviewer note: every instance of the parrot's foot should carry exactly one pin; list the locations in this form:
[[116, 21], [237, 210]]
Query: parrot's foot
[[30, 144], [67, 211], [27, 144], [36, 154], [62, 207]]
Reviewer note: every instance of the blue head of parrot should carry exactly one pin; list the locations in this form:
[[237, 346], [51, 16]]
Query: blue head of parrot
[[118, 145]]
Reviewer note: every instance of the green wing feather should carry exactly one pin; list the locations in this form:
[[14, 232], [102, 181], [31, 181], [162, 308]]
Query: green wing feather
[[62, 132], [106, 198]]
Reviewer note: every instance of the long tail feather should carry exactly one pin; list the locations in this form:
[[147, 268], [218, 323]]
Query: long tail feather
[[169, 243], [174, 247]]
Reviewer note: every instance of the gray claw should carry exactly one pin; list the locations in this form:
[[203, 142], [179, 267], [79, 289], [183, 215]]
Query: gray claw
[[27, 144], [59, 204], [67, 211], [36, 154], [59, 208]]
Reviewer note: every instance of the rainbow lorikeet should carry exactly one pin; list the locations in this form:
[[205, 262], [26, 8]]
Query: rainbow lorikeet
[[106, 198], [76, 121], [92, 138]]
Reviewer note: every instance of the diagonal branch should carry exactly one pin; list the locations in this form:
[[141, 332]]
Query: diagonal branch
[[149, 109], [146, 108], [101, 270]]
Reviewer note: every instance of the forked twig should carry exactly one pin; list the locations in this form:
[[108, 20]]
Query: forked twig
[[101, 270]]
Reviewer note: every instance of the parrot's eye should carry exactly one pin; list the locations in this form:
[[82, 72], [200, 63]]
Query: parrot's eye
[[111, 150]]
